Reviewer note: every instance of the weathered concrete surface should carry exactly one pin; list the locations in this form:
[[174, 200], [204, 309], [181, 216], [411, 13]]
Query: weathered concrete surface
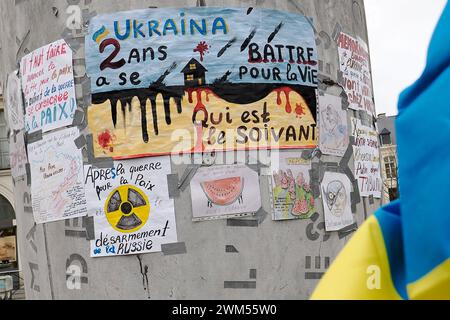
[[279, 251]]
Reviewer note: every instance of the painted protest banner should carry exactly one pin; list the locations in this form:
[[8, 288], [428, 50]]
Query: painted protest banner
[[336, 189], [169, 81], [333, 133], [221, 192], [57, 186], [356, 77], [14, 104], [48, 87], [366, 153], [130, 203], [18, 155], [292, 196]]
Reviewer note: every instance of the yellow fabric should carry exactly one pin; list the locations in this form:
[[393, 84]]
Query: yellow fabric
[[434, 286], [352, 272]]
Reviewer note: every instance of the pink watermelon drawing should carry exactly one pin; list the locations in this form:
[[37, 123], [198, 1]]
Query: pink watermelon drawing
[[224, 192]]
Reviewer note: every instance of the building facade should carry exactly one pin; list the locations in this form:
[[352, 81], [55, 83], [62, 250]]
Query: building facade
[[389, 158], [9, 264]]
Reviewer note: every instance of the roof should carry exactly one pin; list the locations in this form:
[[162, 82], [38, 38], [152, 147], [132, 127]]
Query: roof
[[200, 67], [387, 125]]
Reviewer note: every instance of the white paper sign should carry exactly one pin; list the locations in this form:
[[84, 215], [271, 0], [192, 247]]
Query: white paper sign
[[18, 155], [14, 105], [336, 188], [222, 191], [57, 177], [366, 153], [130, 203], [333, 133], [49, 88], [356, 77]]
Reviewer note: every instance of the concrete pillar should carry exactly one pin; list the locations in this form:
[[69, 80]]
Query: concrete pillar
[[285, 259]]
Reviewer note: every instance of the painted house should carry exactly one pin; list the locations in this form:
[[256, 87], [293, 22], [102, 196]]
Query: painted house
[[194, 74]]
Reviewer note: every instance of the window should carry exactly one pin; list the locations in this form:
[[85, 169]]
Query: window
[[386, 139], [200, 82], [192, 66], [190, 77], [393, 194], [6, 210], [4, 144], [391, 167]]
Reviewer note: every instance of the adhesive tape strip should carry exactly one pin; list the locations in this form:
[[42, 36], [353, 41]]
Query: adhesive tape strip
[[172, 182], [34, 137], [103, 163], [242, 223], [240, 285], [174, 248], [78, 118], [80, 142], [89, 226]]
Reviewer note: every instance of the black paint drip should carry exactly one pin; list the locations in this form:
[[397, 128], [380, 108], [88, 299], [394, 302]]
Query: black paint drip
[[244, 93], [126, 96]]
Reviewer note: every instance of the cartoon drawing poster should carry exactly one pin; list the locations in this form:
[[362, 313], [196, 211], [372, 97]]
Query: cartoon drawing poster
[[48, 87], [222, 192], [130, 203], [336, 188], [333, 133], [14, 104], [242, 74], [57, 186], [292, 197], [366, 152]]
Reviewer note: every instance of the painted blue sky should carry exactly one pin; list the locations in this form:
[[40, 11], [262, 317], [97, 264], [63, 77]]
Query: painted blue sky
[[296, 31]]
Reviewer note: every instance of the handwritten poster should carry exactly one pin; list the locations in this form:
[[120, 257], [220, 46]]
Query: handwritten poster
[[14, 105], [18, 155], [356, 77], [57, 187], [130, 203], [367, 159], [48, 87], [333, 133], [166, 81], [222, 192], [336, 189], [292, 196]]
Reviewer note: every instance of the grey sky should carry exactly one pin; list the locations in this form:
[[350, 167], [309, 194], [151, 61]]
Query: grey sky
[[399, 34]]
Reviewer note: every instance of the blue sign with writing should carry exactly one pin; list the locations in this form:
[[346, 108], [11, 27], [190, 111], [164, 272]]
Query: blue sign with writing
[[151, 47]]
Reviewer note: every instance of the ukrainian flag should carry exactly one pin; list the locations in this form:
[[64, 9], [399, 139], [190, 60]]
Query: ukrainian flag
[[403, 251]]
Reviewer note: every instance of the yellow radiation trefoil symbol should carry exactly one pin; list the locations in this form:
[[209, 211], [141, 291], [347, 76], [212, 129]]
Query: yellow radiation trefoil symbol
[[127, 209]]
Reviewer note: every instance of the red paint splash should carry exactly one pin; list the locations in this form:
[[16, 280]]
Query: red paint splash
[[202, 48], [105, 140], [199, 107], [299, 110]]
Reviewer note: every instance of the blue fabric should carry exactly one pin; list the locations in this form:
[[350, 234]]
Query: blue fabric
[[417, 228]]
